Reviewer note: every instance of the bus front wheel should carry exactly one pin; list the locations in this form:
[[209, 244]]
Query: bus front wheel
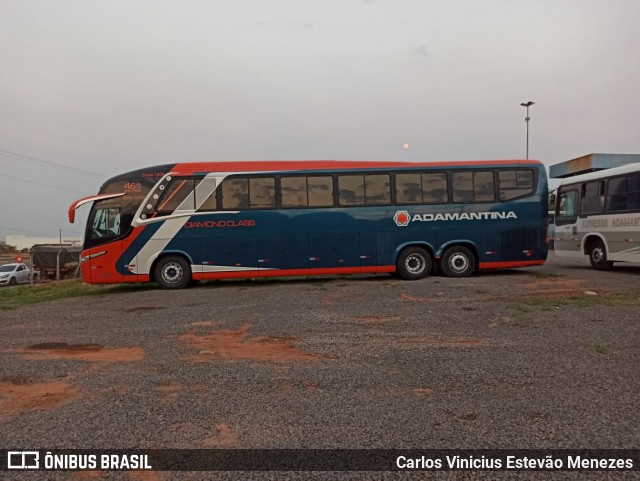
[[173, 272], [457, 261], [414, 263], [598, 256]]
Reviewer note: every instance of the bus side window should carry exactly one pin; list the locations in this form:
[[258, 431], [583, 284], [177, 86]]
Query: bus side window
[[408, 188], [483, 187], [434, 188], [633, 196], [320, 189], [462, 183], [293, 191], [178, 194], [235, 193], [378, 189], [513, 184], [351, 189], [624, 193], [206, 194], [262, 193], [592, 198]]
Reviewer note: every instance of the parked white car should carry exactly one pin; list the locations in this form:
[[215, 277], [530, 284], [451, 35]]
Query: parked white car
[[12, 274]]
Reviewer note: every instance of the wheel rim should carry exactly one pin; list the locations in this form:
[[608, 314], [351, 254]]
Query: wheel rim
[[597, 254], [172, 272], [458, 263], [415, 263]]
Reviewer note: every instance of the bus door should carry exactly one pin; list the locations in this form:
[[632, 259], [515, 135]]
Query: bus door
[[103, 235], [567, 238]]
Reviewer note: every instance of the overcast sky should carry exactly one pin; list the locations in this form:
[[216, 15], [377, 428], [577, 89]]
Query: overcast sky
[[107, 87]]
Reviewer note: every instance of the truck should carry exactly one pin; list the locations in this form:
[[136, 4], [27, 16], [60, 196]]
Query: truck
[[55, 261]]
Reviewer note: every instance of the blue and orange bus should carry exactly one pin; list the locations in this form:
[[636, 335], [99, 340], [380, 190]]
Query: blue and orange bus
[[184, 222]]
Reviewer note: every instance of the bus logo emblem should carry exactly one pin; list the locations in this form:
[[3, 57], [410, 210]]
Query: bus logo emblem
[[402, 218]]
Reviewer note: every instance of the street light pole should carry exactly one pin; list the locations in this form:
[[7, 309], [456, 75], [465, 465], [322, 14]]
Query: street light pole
[[526, 119]]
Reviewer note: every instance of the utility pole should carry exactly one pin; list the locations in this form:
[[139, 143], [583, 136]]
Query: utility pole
[[526, 120]]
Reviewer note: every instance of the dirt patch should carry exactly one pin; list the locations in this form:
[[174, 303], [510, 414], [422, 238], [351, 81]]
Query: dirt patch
[[82, 352], [408, 298], [87, 475], [376, 319], [234, 344], [145, 476], [333, 298], [311, 386], [442, 342], [16, 398], [143, 308], [555, 287], [203, 323], [224, 437], [169, 392], [422, 391], [26, 325]]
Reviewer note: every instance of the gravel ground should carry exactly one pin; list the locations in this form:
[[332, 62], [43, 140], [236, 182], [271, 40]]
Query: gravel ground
[[543, 357]]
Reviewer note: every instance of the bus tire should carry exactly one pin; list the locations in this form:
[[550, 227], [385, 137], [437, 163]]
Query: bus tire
[[598, 256], [457, 261], [414, 263], [173, 272]]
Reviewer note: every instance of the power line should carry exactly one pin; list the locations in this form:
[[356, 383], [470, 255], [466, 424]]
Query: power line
[[54, 165], [40, 183]]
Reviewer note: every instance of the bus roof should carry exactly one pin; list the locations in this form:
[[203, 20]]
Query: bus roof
[[300, 165], [601, 174]]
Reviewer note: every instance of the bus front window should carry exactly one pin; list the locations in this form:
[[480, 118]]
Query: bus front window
[[567, 204], [105, 223]]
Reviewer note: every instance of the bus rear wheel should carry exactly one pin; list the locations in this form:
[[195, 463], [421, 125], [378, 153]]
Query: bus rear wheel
[[457, 261], [598, 256], [173, 272], [414, 263]]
